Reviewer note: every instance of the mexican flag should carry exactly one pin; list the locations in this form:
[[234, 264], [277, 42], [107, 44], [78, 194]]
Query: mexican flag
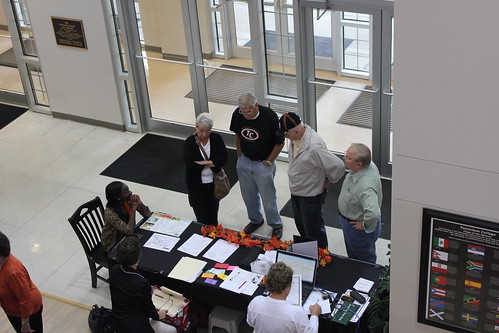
[[441, 242]]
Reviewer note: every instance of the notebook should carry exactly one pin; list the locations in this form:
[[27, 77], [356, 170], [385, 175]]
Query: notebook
[[302, 265]]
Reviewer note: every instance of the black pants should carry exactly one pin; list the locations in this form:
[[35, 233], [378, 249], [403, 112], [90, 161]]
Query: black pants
[[308, 217], [204, 204], [35, 322]]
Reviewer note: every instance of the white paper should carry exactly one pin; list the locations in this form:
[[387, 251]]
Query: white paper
[[220, 251], [363, 285], [242, 282], [195, 244], [294, 296], [161, 242], [166, 224], [316, 297]]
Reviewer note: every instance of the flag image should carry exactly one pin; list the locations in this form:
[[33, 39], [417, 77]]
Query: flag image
[[437, 267], [437, 292], [436, 303], [440, 255], [471, 300], [473, 284], [434, 314], [469, 317], [474, 266], [441, 242], [475, 249], [441, 280]]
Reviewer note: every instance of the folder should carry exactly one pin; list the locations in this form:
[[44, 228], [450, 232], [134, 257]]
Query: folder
[[187, 269]]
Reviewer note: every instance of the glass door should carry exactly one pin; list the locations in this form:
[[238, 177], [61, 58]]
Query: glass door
[[27, 87], [347, 97]]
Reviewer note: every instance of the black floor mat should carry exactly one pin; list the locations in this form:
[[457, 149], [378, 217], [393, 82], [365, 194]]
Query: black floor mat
[[9, 113], [159, 161]]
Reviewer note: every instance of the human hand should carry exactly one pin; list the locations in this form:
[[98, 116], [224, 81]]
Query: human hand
[[135, 201], [315, 309], [359, 225], [162, 314]]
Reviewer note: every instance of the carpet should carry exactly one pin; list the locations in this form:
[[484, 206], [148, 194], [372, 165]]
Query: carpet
[[323, 46], [360, 113], [225, 87], [330, 213], [9, 113], [9, 59], [159, 161]]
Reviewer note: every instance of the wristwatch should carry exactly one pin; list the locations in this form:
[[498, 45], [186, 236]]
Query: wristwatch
[[269, 162]]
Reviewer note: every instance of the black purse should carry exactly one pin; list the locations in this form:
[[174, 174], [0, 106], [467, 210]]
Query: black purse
[[99, 319]]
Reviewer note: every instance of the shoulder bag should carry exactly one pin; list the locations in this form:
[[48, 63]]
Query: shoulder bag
[[220, 179]]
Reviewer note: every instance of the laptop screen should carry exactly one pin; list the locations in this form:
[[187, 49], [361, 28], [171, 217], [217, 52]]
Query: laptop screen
[[301, 265]]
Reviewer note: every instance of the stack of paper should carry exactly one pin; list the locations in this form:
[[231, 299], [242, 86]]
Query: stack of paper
[[187, 269]]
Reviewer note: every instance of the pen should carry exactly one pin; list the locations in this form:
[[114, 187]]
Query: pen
[[242, 284]]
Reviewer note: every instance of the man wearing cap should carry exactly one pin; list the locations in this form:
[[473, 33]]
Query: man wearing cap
[[359, 204], [311, 168], [257, 147]]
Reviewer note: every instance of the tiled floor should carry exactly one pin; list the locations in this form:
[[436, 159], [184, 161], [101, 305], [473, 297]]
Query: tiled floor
[[48, 167]]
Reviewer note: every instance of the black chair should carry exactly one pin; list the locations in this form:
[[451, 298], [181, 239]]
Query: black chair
[[88, 221]]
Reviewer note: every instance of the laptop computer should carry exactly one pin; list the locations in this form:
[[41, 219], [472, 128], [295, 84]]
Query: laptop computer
[[302, 265]]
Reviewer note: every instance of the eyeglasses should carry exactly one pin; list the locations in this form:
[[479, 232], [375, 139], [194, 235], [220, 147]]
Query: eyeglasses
[[246, 111]]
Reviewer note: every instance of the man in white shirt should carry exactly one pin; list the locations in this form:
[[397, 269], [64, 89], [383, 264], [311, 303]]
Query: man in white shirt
[[274, 314]]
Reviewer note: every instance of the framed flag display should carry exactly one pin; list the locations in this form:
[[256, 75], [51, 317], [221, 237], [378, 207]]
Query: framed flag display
[[459, 278]]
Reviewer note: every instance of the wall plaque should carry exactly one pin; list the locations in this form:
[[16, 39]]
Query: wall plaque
[[69, 32]]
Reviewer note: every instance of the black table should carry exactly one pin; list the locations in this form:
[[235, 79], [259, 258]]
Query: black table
[[339, 275]]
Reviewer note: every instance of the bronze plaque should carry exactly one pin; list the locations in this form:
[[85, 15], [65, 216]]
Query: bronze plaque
[[69, 32]]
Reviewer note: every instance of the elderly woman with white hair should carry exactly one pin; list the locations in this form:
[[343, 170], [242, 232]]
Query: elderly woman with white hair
[[204, 154]]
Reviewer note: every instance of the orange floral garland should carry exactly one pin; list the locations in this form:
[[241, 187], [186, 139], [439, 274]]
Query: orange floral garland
[[246, 240]]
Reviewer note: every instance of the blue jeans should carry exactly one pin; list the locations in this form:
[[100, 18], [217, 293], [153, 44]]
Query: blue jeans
[[257, 181], [360, 244]]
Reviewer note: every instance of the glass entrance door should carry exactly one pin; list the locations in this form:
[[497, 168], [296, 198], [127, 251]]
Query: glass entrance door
[[349, 88]]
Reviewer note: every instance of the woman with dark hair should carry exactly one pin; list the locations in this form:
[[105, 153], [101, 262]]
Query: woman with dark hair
[[132, 305], [119, 215], [19, 297], [274, 314], [204, 154]]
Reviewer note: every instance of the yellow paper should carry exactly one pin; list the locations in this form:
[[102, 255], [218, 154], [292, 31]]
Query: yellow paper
[[222, 276]]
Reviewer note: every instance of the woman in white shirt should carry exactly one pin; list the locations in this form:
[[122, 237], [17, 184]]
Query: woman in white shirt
[[199, 169]]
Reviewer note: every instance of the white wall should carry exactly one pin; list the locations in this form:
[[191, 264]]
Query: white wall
[[79, 82], [446, 114]]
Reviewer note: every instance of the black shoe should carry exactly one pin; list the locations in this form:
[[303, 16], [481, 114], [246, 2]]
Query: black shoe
[[251, 227], [277, 232]]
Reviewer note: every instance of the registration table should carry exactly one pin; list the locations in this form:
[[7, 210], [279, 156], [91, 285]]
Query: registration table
[[340, 275]]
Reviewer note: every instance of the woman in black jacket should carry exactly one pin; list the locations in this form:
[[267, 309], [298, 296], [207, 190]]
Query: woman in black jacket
[[132, 308], [199, 169]]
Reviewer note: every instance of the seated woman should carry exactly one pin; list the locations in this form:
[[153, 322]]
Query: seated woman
[[200, 167], [119, 215], [131, 294], [274, 314]]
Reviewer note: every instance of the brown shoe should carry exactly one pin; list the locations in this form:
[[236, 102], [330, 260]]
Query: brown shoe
[[251, 227], [277, 232]]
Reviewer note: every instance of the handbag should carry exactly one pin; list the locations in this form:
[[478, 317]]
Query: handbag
[[175, 304], [99, 319], [220, 179]]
